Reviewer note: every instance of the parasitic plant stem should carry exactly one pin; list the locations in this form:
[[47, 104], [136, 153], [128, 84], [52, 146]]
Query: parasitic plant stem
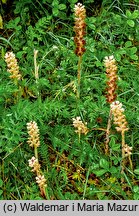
[[108, 133], [79, 75]]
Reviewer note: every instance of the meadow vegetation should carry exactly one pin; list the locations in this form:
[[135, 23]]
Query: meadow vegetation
[[69, 100]]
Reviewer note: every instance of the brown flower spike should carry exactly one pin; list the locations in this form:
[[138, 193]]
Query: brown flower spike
[[111, 70], [79, 28]]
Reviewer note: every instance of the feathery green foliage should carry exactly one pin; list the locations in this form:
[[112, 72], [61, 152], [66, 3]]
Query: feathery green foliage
[[76, 167]]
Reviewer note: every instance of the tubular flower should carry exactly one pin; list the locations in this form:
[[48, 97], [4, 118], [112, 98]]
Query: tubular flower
[[40, 179], [111, 70], [119, 117], [81, 127], [79, 28], [127, 150], [33, 131], [12, 65], [33, 162]]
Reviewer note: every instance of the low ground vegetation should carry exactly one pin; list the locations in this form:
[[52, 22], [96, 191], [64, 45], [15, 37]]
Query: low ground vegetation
[[69, 96]]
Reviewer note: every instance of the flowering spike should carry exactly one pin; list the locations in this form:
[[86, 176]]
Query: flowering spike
[[33, 132], [81, 127], [127, 150], [111, 70], [119, 117], [40, 179], [79, 28], [33, 162], [12, 65]]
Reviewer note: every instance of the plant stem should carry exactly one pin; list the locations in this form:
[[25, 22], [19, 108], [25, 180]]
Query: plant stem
[[123, 154], [36, 152], [47, 194], [36, 69], [79, 137], [130, 161], [85, 186], [108, 132], [79, 76]]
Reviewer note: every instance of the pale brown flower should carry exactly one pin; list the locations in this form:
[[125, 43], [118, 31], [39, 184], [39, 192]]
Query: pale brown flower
[[111, 73], [33, 162], [127, 150], [119, 117], [81, 127], [40, 179], [33, 131], [12, 65]]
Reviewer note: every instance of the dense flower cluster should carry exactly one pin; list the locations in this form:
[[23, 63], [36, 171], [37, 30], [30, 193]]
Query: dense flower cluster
[[34, 141], [111, 73], [79, 28], [33, 162], [81, 127], [40, 179], [119, 117], [12, 65], [33, 131], [127, 150]]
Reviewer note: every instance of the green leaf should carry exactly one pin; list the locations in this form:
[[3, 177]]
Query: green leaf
[[135, 14], [91, 26], [136, 196], [13, 23], [114, 146], [61, 6], [136, 188], [136, 171], [104, 164], [1, 182], [118, 56], [131, 23], [1, 192], [128, 14], [91, 20], [113, 169], [128, 44], [134, 57], [100, 172], [72, 1], [133, 50], [55, 3], [55, 11]]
